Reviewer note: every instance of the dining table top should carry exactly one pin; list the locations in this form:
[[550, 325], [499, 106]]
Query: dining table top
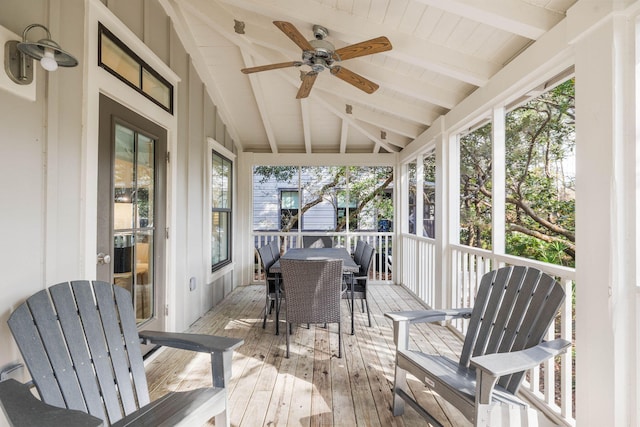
[[348, 265]]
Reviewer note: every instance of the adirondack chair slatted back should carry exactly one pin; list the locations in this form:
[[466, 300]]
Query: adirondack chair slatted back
[[513, 310], [81, 346]]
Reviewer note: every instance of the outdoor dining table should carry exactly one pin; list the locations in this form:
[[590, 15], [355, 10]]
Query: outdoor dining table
[[349, 266]]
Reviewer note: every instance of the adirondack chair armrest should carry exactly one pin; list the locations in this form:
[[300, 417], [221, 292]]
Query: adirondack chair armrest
[[402, 320], [220, 349], [202, 343], [422, 316], [23, 409], [490, 367]]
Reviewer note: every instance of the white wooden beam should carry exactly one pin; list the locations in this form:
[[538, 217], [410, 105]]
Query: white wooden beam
[[415, 88], [261, 103], [218, 18], [390, 137], [344, 134], [514, 16], [182, 30], [306, 124]]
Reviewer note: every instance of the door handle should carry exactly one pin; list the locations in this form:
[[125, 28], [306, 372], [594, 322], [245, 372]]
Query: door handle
[[104, 259]]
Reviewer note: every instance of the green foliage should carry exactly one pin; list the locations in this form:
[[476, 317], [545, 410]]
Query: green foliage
[[279, 173], [533, 248], [475, 188], [540, 184]]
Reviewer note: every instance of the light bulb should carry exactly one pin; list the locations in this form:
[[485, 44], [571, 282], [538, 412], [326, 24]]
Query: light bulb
[[48, 62]]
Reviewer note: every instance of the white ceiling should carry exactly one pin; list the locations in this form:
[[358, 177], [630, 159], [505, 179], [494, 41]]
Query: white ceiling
[[443, 50]]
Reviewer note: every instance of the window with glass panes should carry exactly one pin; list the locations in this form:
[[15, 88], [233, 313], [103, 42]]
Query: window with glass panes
[[221, 174]]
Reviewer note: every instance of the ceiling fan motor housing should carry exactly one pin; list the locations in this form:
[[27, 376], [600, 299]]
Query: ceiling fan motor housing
[[322, 55]]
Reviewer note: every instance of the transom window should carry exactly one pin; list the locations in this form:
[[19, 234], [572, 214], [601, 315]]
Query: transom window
[[115, 57]]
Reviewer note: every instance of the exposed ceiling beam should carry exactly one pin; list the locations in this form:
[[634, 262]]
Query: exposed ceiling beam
[[390, 108], [390, 137], [261, 103], [306, 125], [344, 133], [383, 121], [514, 16], [182, 29], [218, 18], [407, 85]]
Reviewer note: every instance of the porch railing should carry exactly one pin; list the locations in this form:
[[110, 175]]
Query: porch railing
[[549, 386], [382, 266]]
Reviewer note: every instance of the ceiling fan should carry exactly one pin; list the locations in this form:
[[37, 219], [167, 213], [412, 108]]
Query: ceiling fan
[[320, 54]]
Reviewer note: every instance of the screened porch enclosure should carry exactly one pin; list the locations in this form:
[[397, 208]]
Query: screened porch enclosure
[[458, 80], [508, 198]]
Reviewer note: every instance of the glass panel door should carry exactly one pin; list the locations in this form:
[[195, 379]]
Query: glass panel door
[[133, 225], [131, 231]]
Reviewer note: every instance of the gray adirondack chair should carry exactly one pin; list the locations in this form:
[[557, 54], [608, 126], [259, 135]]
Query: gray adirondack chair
[[80, 344], [513, 310]]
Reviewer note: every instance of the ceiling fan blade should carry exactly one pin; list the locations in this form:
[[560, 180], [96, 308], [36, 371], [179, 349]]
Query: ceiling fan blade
[[271, 67], [377, 45], [292, 32], [355, 79], [307, 83]]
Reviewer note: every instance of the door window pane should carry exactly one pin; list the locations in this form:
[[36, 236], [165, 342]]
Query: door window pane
[[133, 207]]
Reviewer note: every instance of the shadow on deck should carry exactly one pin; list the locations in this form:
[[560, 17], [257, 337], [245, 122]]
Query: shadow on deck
[[312, 387]]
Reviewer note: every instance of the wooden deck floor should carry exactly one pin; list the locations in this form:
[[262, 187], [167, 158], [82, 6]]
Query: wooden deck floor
[[313, 387]]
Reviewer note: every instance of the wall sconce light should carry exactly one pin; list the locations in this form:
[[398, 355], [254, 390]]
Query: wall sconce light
[[18, 56]]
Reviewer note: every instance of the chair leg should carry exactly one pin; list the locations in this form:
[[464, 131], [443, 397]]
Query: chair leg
[[340, 340], [277, 315], [266, 305], [399, 384], [368, 312], [288, 327], [353, 304]]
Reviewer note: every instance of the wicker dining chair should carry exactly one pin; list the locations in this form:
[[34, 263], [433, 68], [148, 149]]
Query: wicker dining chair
[[358, 283], [357, 253], [313, 293], [275, 248]]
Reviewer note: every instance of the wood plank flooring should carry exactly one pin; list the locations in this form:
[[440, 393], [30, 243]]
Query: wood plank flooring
[[313, 387]]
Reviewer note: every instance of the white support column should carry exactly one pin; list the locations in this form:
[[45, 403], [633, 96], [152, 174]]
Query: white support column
[[243, 246], [498, 170], [606, 169], [401, 222], [447, 210], [419, 195]]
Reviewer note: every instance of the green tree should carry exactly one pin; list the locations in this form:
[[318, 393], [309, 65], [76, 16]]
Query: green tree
[[540, 185]]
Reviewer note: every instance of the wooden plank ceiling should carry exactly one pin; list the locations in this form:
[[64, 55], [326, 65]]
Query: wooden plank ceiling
[[443, 50]]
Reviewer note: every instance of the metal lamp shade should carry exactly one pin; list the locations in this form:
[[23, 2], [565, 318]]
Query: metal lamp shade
[[36, 50]]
